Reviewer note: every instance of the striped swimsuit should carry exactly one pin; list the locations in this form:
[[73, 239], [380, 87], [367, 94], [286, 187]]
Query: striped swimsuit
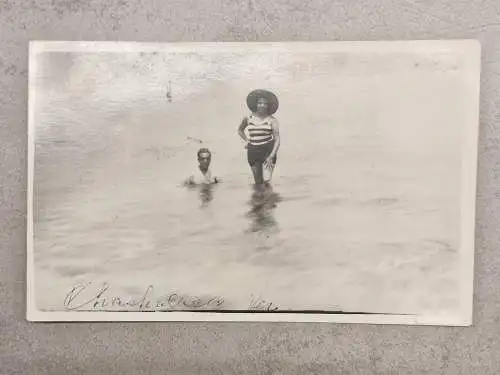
[[260, 131], [261, 139]]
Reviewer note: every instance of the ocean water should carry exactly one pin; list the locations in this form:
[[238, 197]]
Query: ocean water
[[364, 214]]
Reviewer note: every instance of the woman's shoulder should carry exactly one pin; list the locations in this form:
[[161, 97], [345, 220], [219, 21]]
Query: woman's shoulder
[[273, 119], [247, 118], [252, 116]]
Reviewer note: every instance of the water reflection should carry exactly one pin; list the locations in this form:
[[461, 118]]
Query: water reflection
[[261, 213], [205, 193]]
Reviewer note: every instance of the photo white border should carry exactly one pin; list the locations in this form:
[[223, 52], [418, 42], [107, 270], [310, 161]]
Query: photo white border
[[470, 47]]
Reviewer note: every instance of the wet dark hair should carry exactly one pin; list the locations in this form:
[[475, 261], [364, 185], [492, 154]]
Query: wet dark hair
[[204, 151]]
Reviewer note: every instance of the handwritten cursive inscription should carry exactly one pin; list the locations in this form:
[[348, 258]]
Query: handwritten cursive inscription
[[86, 298], [260, 304]]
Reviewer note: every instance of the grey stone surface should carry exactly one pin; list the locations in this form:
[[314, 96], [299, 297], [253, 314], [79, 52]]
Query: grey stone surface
[[162, 348]]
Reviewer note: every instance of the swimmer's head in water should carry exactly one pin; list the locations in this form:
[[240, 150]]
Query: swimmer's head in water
[[204, 157]]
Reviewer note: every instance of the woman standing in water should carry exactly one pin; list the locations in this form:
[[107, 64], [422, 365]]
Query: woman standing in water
[[263, 139]]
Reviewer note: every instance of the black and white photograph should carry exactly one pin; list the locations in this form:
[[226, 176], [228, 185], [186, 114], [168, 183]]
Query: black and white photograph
[[291, 181]]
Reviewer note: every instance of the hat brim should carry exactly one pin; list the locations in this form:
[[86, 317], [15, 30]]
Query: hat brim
[[272, 100]]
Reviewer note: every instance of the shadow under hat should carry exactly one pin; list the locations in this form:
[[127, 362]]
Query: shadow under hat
[[271, 98]]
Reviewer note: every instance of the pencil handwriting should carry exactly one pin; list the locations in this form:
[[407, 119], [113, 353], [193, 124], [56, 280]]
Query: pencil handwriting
[[86, 298]]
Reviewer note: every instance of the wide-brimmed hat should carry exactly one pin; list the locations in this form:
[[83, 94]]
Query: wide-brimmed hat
[[271, 98]]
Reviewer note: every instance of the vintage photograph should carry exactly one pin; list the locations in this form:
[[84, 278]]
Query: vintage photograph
[[294, 181]]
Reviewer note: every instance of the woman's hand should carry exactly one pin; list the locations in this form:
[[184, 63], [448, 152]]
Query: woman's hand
[[269, 161]]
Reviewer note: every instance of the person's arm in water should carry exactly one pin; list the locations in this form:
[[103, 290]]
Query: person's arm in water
[[241, 130], [189, 181], [277, 141]]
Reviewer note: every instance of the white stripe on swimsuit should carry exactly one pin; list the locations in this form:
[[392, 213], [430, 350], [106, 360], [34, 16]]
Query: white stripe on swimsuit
[[260, 131]]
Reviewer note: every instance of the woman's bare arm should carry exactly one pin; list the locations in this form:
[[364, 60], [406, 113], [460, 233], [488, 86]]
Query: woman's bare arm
[[241, 129], [277, 138], [277, 142]]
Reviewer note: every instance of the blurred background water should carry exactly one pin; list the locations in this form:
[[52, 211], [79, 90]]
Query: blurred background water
[[368, 179]]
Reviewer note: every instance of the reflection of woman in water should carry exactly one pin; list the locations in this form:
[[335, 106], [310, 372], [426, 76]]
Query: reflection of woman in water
[[262, 213], [263, 139]]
